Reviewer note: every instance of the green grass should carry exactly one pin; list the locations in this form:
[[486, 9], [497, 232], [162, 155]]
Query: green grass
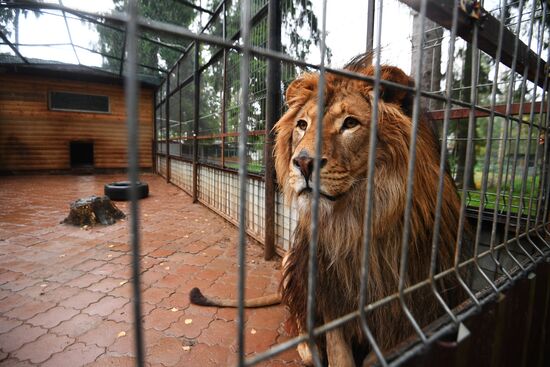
[[252, 167]]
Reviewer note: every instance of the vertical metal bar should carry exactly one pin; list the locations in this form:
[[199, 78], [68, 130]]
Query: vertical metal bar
[[471, 135], [367, 225], [196, 115], [272, 114], [467, 171], [546, 188], [167, 105], [443, 165], [224, 85], [410, 180], [490, 128], [243, 133], [313, 244], [132, 107], [507, 123], [370, 25], [69, 33], [540, 39], [542, 204], [516, 152]]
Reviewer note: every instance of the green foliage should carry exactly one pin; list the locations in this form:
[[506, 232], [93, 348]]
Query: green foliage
[[111, 42], [9, 20]]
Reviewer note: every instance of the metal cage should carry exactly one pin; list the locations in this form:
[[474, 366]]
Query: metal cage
[[481, 71]]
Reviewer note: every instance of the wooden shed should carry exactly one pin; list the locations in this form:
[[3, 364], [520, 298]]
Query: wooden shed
[[63, 118]]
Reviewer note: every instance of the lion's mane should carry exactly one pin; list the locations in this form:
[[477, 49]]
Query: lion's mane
[[340, 245]]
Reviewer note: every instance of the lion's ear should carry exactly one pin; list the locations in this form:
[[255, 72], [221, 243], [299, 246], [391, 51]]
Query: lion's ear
[[401, 97], [301, 89]]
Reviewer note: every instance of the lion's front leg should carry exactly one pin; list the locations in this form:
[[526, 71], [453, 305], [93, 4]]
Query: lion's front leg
[[339, 352]]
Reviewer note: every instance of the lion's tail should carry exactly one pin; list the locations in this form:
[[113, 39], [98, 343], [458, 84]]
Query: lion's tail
[[196, 297]]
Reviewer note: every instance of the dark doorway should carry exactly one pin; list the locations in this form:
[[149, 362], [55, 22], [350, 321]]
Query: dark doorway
[[82, 154]]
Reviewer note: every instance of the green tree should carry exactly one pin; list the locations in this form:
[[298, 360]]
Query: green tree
[[111, 42], [9, 21]]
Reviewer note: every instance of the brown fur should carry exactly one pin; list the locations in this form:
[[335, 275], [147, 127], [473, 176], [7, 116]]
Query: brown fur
[[341, 220]]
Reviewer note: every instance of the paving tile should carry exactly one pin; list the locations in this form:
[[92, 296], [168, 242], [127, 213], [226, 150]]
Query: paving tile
[[113, 361], [20, 283], [14, 362], [171, 281], [77, 325], [53, 317], [9, 276], [219, 333], [125, 289], [66, 276], [155, 295], [106, 306], [269, 318], [208, 356], [29, 309], [11, 301], [189, 326], [42, 348], [19, 336], [85, 280], [82, 299], [161, 253], [89, 271], [124, 345], [104, 334], [106, 285], [178, 299], [151, 276], [8, 324], [89, 265], [160, 319], [168, 352], [75, 355]]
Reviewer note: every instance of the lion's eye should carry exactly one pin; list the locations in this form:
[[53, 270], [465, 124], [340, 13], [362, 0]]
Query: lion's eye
[[349, 123], [301, 124]]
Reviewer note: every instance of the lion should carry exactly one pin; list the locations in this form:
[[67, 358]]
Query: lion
[[343, 175]]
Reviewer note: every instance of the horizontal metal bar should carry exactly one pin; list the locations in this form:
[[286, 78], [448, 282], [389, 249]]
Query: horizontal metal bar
[[500, 110], [223, 135], [178, 31], [441, 11], [13, 47], [232, 171], [415, 348], [193, 6]]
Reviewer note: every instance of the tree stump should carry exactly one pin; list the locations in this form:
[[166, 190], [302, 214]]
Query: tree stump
[[93, 210]]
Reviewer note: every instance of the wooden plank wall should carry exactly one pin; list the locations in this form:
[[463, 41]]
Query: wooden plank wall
[[34, 138]]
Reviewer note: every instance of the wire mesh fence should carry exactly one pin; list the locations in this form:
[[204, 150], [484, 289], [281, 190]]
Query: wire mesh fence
[[491, 123], [479, 75]]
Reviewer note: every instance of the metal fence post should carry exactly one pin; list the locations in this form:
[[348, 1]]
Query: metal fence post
[[273, 112], [167, 105], [196, 114], [370, 26]]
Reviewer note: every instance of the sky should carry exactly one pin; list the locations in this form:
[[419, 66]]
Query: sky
[[346, 32]]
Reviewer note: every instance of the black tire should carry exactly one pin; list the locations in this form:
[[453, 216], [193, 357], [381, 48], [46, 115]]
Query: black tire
[[121, 190]]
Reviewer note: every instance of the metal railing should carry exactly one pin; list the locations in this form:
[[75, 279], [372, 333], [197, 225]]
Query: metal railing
[[214, 139], [503, 191]]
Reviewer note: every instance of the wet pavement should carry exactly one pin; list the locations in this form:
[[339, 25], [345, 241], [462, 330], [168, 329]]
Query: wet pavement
[[65, 291]]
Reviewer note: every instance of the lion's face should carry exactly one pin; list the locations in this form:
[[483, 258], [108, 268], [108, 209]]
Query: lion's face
[[345, 136], [346, 124]]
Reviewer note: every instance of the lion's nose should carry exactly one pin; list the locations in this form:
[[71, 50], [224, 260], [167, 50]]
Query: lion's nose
[[305, 164]]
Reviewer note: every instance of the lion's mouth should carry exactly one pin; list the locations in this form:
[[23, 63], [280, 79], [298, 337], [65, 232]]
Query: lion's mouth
[[309, 190]]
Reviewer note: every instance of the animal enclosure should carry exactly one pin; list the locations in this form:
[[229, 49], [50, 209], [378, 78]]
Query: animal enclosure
[[480, 76]]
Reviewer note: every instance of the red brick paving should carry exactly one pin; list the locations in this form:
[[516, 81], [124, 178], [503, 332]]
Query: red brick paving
[[65, 291]]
